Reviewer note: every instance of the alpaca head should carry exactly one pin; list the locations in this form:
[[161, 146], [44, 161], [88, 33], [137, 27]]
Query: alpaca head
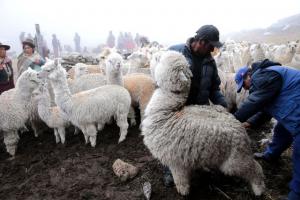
[[52, 70], [114, 63], [39, 91], [28, 80], [172, 73], [80, 69], [139, 58]]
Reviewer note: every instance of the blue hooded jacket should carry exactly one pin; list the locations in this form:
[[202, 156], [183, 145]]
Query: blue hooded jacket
[[275, 90]]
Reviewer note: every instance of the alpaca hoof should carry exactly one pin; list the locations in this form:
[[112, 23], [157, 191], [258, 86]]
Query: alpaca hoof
[[133, 122], [57, 141], [11, 158], [93, 141], [258, 189], [183, 189], [11, 151], [121, 139], [86, 138]]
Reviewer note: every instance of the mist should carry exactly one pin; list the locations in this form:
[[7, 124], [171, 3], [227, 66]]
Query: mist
[[167, 22]]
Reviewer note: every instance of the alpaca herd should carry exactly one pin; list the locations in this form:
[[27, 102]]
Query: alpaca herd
[[184, 138]]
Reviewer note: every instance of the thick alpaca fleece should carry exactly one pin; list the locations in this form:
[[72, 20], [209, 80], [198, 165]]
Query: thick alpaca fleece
[[91, 69], [141, 88], [91, 107], [14, 109], [228, 89], [186, 138], [86, 82], [51, 115]]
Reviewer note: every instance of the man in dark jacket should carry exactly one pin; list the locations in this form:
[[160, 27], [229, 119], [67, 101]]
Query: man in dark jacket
[[274, 91], [205, 81]]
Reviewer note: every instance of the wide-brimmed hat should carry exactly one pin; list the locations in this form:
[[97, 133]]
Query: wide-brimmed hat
[[6, 47], [209, 33], [28, 42]]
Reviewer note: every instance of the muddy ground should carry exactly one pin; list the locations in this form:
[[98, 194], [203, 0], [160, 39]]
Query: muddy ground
[[45, 170]]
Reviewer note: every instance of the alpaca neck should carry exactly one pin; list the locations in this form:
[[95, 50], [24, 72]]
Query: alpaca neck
[[115, 78], [62, 93], [23, 93], [44, 106], [166, 102]]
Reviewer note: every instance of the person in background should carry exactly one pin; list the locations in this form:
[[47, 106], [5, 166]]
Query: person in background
[[274, 91], [6, 70], [29, 58]]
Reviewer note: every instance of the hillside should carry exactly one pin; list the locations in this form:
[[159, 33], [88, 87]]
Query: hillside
[[286, 29]]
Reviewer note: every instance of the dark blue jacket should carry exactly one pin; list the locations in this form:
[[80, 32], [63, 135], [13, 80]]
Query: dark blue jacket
[[205, 84], [276, 91]]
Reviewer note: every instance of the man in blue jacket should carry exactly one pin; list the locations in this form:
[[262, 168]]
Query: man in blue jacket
[[205, 81], [274, 91]]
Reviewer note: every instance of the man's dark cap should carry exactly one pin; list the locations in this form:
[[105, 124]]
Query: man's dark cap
[[209, 33]]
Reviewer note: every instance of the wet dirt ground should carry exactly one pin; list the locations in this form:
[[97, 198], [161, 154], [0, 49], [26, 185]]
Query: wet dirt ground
[[45, 170]]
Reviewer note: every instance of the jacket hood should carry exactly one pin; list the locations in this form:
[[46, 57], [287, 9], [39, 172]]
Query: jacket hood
[[263, 64]]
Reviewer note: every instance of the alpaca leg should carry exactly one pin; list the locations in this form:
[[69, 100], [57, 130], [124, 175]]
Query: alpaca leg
[[100, 126], [123, 124], [246, 167], [92, 133], [181, 179], [62, 134], [35, 126], [142, 112], [86, 136], [11, 142], [57, 140], [131, 116]]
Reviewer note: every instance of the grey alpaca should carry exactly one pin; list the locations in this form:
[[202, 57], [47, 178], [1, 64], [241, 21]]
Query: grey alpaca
[[186, 138]]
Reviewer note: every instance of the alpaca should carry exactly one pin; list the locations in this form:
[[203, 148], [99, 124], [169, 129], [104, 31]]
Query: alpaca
[[52, 116], [14, 109], [186, 138], [140, 86], [88, 108]]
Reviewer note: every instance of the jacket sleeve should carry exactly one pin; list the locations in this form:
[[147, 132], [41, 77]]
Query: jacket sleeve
[[264, 87], [215, 94], [259, 119]]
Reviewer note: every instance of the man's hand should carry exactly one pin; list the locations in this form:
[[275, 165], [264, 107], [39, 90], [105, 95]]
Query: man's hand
[[246, 125]]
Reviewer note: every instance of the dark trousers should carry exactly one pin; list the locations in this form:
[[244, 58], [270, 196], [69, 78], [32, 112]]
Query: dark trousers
[[282, 139]]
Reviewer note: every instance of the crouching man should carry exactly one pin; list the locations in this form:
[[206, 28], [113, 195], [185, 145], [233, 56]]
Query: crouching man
[[274, 91]]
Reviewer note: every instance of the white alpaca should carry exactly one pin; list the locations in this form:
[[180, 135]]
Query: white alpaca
[[51, 115], [186, 138], [14, 109], [137, 61], [91, 107], [228, 89], [139, 85]]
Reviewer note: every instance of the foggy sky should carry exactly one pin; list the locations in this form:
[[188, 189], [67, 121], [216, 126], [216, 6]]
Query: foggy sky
[[167, 22]]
